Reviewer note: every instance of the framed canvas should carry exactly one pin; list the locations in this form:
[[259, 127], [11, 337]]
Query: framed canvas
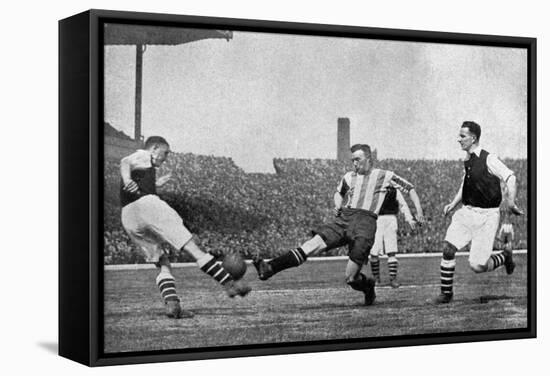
[[375, 186]]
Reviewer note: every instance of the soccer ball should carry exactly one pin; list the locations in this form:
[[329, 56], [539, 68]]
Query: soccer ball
[[235, 265]]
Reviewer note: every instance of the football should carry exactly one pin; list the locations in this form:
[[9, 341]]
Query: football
[[235, 265]]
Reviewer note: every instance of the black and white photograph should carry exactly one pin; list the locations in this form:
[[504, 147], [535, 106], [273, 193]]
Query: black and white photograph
[[268, 188], [280, 188]]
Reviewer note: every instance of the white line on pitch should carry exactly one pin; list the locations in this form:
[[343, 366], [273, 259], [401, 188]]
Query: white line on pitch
[[311, 259], [403, 287]]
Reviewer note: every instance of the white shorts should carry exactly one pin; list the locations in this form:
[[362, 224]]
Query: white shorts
[[150, 221], [386, 235], [477, 226]]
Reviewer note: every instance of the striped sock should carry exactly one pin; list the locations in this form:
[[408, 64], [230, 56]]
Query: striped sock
[[292, 258], [214, 269], [167, 286], [496, 261], [375, 268], [447, 274], [392, 267]]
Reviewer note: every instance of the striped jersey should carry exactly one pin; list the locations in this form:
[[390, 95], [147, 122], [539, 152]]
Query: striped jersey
[[368, 191]]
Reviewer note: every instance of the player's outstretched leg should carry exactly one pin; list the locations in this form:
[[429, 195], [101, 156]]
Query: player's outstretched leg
[[214, 269], [167, 286], [290, 259], [208, 264], [392, 267]]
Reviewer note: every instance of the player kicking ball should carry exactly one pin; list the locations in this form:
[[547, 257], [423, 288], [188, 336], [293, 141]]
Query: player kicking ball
[[150, 221], [357, 202]]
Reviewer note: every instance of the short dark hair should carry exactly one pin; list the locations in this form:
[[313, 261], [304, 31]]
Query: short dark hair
[[474, 128], [364, 147], [155, 140]]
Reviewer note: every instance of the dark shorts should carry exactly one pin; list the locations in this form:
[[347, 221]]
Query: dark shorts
[[354, 227]]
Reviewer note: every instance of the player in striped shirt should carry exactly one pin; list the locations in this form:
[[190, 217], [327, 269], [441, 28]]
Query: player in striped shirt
[[357, 202], [150, 221]]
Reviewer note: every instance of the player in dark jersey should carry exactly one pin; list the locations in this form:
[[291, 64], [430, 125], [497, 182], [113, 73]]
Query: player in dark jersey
[[357, 201], [476, 222], [385, 240], [150, 221]]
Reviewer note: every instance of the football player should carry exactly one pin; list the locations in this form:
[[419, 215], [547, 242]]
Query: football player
[[150, 221], [476, 222], [357, 203], [385, 239]]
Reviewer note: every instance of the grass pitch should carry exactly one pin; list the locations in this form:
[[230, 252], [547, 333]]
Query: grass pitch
[[308, 303]]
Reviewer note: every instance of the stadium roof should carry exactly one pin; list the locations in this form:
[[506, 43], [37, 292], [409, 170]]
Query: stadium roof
[[143, 35], [125, 34]]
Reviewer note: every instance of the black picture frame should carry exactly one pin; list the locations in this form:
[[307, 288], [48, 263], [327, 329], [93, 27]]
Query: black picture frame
[[81, 194]]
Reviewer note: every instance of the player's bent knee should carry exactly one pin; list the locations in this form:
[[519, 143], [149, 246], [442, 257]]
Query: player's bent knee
[[353, 270], [315, 244], [449, 251], [358, 257], [353, 280], [164, 260], [360, 249], [349, 279], [478, 268]]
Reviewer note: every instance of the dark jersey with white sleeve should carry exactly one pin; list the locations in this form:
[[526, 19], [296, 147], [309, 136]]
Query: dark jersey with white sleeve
[[143, 173], [390, 206], [483, 174]]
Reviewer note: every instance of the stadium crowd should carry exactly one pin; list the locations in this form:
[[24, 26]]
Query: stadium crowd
[[230, 210]]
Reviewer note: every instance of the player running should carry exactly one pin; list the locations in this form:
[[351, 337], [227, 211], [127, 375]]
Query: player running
[[150, 221], [476, 222], [357, 202], [385, 240]]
